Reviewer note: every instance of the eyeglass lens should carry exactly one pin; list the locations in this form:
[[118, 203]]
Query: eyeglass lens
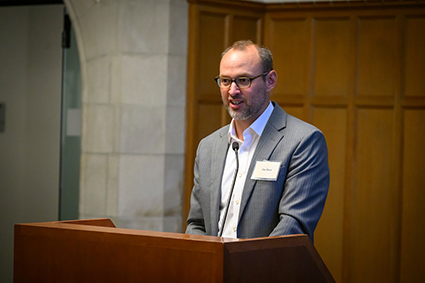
[[241, 82]]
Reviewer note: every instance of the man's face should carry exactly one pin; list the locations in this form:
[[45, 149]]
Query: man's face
[[245, 104]]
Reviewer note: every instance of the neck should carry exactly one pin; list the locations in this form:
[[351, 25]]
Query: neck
[[240, 127]]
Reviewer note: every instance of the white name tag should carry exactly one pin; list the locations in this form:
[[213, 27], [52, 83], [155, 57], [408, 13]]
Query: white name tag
[[266, 170]]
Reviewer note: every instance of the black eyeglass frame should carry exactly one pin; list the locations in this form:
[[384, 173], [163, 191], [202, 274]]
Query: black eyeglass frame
[[217, 80]]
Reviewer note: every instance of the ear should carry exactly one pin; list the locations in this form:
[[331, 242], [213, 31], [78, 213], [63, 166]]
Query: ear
[[271, 80]]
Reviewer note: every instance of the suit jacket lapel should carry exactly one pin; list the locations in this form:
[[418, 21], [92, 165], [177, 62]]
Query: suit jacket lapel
[[269, 139], [218, 157]]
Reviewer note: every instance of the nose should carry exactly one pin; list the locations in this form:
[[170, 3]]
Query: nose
[[234, 89]]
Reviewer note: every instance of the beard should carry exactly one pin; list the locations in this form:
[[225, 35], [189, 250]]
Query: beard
[[252, 106]]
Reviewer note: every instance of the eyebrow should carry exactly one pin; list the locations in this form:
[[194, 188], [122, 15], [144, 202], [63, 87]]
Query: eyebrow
[[238, 76]]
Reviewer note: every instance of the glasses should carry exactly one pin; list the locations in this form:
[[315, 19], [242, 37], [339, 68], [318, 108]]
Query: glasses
[[241, 82]]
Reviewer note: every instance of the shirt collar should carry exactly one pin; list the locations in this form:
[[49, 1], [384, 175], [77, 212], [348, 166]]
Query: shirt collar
[[257, 126]]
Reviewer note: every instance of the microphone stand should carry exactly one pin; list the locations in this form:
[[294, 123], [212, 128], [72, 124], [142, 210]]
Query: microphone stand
[[235, 147]]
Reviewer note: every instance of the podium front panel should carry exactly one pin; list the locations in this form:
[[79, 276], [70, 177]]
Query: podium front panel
[[59, 252], [96, 251]]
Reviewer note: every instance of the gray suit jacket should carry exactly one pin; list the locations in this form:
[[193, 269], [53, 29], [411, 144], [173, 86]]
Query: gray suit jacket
[[292, 204]]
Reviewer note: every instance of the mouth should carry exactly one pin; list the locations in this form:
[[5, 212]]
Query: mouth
[[235, 102], [236, 105]]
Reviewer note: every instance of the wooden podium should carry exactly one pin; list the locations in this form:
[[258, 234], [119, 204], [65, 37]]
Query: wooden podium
[[96, 251]]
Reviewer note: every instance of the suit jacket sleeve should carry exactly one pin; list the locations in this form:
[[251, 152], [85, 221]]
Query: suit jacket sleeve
[[195, 220]]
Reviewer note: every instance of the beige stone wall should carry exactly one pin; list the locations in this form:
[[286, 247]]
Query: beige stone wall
[[133, 60]]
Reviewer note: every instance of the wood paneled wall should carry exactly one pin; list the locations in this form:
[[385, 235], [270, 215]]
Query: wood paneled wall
[[357, 72]]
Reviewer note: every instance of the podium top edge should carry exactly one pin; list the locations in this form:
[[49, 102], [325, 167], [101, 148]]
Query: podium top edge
[[105, 225], [75, 226]]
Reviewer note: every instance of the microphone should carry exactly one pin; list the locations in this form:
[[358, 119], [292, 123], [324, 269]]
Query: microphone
[[235, 147]]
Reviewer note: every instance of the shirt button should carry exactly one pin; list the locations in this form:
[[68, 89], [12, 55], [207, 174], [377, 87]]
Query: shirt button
[[234, 229], [237, 202], [240, 175]]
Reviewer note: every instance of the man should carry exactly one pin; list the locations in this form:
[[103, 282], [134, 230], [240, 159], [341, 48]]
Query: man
[[282, 177]]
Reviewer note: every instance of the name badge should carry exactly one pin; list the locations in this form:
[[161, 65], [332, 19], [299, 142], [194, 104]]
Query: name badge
[[266, 170]]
